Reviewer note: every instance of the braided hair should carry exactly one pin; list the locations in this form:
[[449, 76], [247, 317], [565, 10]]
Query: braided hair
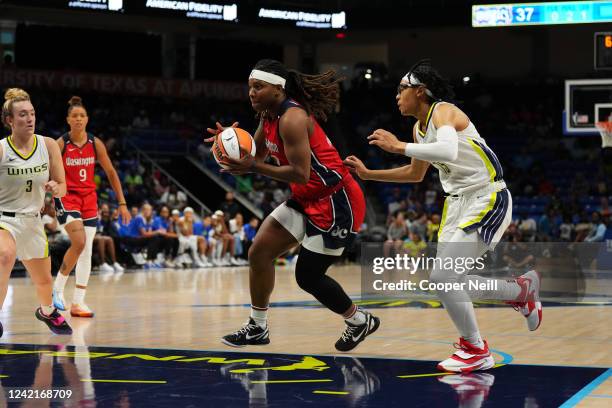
[[318, 94], [439, 86]]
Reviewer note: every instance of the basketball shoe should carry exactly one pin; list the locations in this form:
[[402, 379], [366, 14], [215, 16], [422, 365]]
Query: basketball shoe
[[531, 307], [55, 321], [468, 358], [83, 310], [355, 333], [251, 334]]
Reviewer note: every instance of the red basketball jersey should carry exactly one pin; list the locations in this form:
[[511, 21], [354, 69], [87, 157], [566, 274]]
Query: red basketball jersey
[[326, 167], [79, 164]]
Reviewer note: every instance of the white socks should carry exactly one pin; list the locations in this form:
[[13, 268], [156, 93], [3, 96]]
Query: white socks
[[357, 317], [60, 282], [260, 316]]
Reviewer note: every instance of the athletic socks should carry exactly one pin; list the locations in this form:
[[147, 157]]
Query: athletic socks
[[475, 340], [260, 316], [60, 282], [355, 315], [47, 310], [79, 296]]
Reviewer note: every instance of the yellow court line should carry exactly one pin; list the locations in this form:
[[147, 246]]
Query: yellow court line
[[330, 392], [4, 376], [289, 381], [125, 381]]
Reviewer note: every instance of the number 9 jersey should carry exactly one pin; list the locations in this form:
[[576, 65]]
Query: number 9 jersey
[[81, 200]]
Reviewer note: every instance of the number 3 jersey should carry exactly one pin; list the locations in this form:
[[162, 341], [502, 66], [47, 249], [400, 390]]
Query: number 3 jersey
[[23, 177], [79, 164]]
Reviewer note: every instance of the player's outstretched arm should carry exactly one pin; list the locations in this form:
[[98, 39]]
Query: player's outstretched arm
[[412, 173], [113, 179]]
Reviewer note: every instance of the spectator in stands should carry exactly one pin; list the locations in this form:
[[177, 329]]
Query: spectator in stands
[[415, 246], [396, 233], [250, 230], [598, 231], [566, 229], [174, 198], [133, 179], [196, 244], [134, 196], [396, 201], [140, 235], [419, 224], [433, 226], [583, 227], [516, 253], [527, 227], [225, 251], [229, 207], [104, 247], [164, 225], [110, 228], [236, 228]]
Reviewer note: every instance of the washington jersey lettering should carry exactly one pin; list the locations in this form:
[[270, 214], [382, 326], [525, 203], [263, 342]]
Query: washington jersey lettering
[[79, 164]]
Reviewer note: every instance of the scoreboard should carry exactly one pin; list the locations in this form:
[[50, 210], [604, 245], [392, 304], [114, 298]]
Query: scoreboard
[[603, 51], [519, 14]]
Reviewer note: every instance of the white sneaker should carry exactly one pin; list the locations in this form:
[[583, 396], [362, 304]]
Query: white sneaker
[[531, 306], [168, 263], [118, 268], [205, 262], [139, 259], [234, 261], [106, 268], [468, 358]]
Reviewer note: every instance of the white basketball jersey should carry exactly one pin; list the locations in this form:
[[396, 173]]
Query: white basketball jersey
[[476, 164], [22, 178]]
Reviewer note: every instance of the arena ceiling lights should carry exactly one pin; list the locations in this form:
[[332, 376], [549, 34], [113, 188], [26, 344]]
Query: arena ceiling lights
[[305, 19], [109, 5], [194, 9]]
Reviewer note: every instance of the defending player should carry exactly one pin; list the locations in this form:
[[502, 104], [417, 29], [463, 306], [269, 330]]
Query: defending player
[[476, 212]]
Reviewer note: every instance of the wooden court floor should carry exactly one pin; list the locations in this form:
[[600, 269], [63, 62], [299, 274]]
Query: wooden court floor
[[191, 309]]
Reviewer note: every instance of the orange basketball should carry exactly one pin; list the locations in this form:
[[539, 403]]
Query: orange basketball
[[234, 143]]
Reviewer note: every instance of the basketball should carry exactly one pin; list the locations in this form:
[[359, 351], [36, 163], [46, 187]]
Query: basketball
[[233, 142]]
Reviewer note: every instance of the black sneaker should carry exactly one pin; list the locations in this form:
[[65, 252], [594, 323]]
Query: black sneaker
[[356, 333], [1, 330], [55, 321], [251, 334]]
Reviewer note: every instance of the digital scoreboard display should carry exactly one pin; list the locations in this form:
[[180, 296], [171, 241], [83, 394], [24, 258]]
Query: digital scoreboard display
[[603, 50], [519, 14]]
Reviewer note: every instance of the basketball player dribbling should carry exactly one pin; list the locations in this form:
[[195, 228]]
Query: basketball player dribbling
[[31, 173], [325, 211], [77, 211], [477, 210]]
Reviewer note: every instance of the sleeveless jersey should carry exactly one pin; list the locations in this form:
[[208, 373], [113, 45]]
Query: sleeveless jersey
[[79, 164], [476, 164], [326, 167], [23, 178]]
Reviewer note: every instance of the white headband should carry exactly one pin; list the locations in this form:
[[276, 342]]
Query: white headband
[[413, 80], [268, 77]]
